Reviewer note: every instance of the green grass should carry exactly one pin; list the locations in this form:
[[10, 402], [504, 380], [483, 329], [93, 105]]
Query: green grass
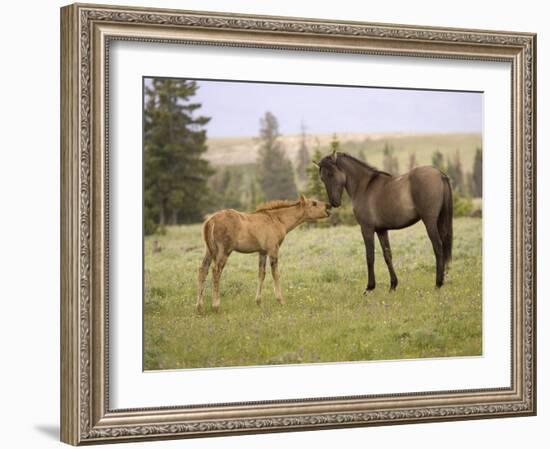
[[326, 317]]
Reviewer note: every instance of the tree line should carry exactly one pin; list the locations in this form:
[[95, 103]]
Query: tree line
[[181, 186]]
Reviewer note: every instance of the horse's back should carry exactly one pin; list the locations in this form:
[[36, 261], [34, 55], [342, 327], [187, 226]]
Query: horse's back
[[238, 231]]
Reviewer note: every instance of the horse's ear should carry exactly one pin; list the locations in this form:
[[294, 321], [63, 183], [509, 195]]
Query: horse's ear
[[334, 155], [302, 198]]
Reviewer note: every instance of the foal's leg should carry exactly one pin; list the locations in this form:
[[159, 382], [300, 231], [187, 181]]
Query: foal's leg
[[368, 237], [274, 262], [216, 275], [203, 273], [261, 276], [386, 249], [437, 244]]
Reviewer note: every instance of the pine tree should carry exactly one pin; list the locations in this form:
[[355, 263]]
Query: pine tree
[[230, 193], [302, 160], [255, 196], [437, 160], [175, 173], [454, 171], [334, 144], [391, 164], [275, 173], [477, 174], [315, 187], [412, 160]]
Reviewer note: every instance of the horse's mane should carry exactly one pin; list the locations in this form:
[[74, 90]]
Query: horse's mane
[[329, 160], [364, 164], [276, 204]]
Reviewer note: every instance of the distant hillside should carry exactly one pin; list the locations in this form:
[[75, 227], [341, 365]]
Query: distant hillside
[[243, 150]]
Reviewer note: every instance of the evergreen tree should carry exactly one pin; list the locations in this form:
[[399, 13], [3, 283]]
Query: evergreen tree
[[469, 184], [412, 160], [302, 160], [275, 173], [334, 144], [437, 160], [454, 171], [255, 196], [391, 164], [315, 187], [230, 192], [477, 175], [175, 173]]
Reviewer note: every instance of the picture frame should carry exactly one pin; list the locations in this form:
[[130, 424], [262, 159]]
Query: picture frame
[[87, 33]]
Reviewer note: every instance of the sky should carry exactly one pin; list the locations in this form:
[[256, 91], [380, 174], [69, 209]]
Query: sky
[[236, 109]]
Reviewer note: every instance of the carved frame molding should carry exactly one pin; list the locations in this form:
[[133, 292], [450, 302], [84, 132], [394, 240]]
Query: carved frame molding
[[87, 32]]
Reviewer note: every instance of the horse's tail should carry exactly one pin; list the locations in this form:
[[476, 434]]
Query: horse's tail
[[445, 221], [208, 236]]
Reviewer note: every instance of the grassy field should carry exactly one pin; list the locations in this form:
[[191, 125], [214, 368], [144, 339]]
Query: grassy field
[[326, 317]]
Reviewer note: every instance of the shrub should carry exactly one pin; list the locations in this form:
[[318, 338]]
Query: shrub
[[149, 224], [462, 205]]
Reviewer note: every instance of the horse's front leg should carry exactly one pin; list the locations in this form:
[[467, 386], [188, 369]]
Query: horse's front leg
[[368, 237], [386, 249], [274, 262], [261, 277]]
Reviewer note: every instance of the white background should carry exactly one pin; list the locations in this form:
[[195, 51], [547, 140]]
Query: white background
[[29, 224]]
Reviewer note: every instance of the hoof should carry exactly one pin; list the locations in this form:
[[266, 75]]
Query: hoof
[[216, 309], [392, 288], [281, 302], [258, 302], [200, 308], [368, 289]]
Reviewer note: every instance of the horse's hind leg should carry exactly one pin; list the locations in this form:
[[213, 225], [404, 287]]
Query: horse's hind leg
[[203, 273], [386, 249], [261, 277], [437, 244], [274, 262], [219, 263]]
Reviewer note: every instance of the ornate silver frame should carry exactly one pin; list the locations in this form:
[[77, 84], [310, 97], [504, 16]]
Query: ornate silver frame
[[86, 32]]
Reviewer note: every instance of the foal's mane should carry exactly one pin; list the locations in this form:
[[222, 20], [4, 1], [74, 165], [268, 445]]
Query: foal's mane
[[276, 204]]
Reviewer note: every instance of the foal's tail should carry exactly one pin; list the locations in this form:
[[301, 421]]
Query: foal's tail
[[445, 221], [208, 236]]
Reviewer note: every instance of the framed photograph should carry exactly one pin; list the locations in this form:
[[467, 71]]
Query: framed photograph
[[278, 224]]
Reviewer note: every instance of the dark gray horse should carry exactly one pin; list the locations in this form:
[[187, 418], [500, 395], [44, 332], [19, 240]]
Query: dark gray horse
[[382, 201]]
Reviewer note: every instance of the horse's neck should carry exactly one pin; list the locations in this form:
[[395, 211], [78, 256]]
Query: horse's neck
[[289, 217], [357, 175]]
